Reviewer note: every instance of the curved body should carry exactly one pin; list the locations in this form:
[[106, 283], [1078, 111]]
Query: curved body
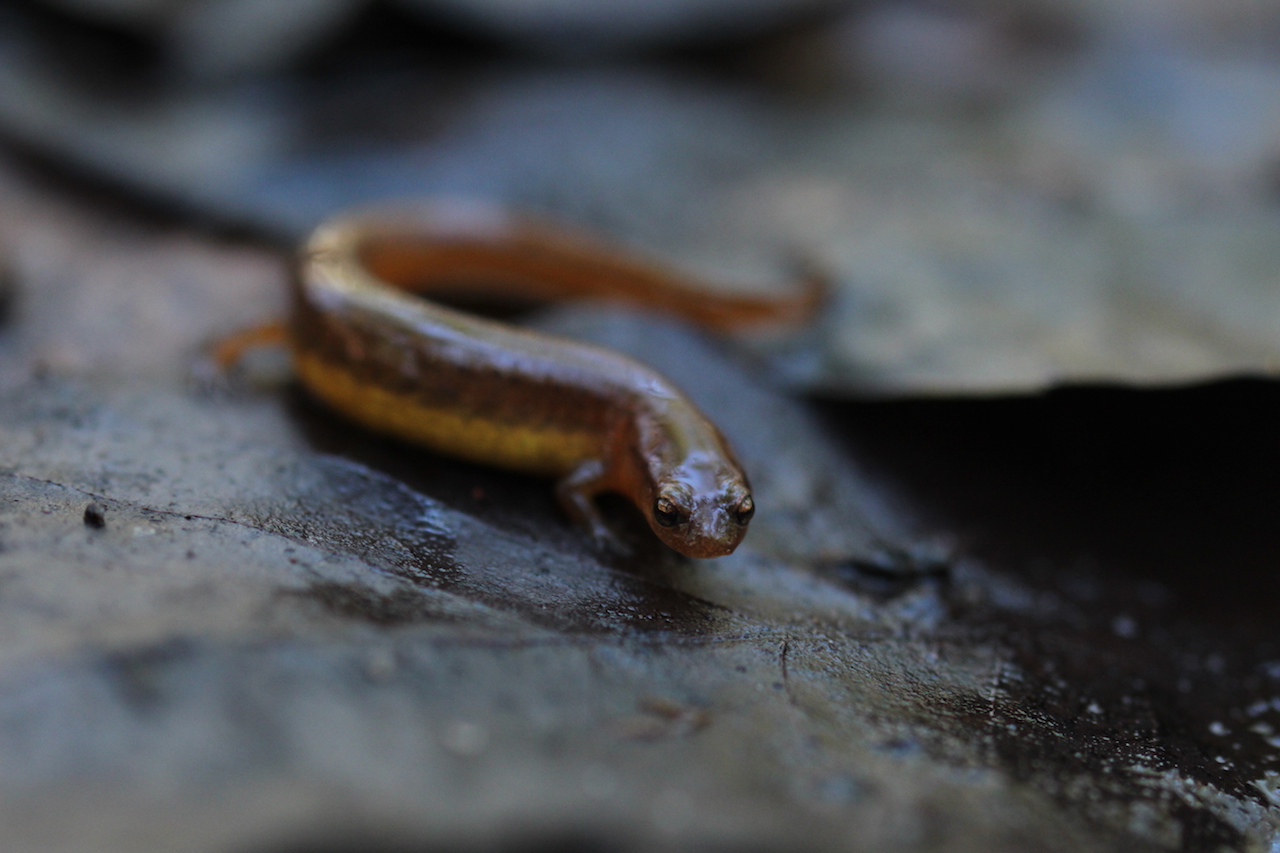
[[366, 342]]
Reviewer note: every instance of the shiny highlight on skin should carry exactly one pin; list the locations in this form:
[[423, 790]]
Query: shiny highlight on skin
[[366, 342]]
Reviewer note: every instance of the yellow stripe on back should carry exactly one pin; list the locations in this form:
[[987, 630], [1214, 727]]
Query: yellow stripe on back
[[546, 451]]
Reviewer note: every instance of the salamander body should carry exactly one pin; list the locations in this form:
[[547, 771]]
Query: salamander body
[[367, 342]]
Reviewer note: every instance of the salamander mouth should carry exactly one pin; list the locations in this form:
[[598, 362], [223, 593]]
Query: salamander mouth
[[707, 551], [703, 541]]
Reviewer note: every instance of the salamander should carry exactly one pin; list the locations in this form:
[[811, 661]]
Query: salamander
[[366, 341]]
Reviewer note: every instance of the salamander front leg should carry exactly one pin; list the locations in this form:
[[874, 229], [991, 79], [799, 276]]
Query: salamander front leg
[[218, 368], [577, 492]]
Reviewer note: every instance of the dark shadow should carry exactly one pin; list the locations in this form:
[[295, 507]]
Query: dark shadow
[[884, 580], [1139, 530], [1173, 490], [507, 500], [354, 601], [92, 48], [561, 578]]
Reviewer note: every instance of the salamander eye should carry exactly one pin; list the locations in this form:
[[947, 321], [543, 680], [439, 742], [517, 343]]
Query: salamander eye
[[667, 513], [744, 510]]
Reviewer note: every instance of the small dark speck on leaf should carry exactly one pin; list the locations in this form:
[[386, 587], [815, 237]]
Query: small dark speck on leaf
[[95, 516], [900, 747]]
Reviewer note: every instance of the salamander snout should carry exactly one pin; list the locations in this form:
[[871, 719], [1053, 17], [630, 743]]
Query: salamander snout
[[702, 523]]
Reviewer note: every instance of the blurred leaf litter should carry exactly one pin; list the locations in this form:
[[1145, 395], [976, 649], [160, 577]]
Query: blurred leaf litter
[[1000, 213]]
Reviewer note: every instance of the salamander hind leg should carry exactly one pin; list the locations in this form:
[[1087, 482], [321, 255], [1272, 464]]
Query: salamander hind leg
[[577, 493]]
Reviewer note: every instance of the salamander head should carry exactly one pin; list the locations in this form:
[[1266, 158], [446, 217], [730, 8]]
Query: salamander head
[[701, 519]]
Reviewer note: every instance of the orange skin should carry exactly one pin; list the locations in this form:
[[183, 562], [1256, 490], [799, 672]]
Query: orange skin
[[366, 343]]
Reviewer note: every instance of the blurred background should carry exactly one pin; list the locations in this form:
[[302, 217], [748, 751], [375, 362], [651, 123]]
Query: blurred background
[[1009, 195]]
